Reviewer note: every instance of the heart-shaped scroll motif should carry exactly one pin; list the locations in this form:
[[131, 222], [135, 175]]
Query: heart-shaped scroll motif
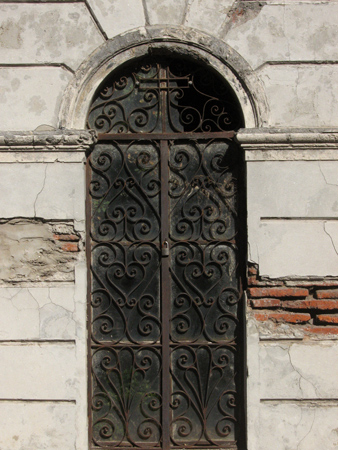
[[125, 279], [202, 278], [198, 271]]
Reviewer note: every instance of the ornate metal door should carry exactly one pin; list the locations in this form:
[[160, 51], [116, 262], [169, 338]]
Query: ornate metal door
[[166, 354]]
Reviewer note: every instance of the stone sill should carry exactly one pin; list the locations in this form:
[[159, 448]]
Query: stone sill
[[289, 144], [47, 141], [259, 144]]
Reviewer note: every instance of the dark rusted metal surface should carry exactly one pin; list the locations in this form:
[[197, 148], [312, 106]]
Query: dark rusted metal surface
[[167, 136], [166, 346], [165, 294], [126, 320], [204, 292]]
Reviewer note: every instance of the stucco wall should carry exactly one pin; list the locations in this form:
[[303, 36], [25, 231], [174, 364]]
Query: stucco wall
[[282, 57]]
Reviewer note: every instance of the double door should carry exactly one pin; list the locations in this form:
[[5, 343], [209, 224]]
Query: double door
[[166, 348]]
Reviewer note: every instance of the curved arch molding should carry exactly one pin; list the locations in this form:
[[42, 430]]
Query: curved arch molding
[[184, 41]]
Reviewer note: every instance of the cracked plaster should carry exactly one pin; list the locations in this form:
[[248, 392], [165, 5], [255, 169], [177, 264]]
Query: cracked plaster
[[294, 248], [283, 32], [44, 369], [207, 16], [37, 313], [130, 15], [301, 95], [57, 193], [169, 12], [293, 217], [288, 371], [293, 426], [297, 427]]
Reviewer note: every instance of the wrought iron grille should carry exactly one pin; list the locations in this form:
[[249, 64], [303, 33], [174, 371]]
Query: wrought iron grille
[[166, 355], [164, 96]]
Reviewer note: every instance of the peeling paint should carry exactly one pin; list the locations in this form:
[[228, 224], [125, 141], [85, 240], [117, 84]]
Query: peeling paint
[[242, 12]]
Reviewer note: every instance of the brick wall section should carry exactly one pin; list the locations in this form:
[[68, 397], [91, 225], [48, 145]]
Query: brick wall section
[[67, 242], [35, 250], [310, 303]]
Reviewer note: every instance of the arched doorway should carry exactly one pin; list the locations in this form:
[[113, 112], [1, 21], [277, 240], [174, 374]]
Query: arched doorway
[[166, 218]]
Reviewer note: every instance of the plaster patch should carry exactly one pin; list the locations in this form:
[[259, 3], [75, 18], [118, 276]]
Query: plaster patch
[[207, 15], [37, 105], [48, 32], [42, 425], [10, 35], [166, 11], [302, 95], [31, 96], [130, 15]]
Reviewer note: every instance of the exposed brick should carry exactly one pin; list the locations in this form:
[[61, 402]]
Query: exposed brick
[[266, 303], [283, 317], [66, 237], [328, 319], [30, 254], [252, 270], [321, 330], [311, 304], [328, 293], [70, 247], [252, 281], [281, 292]]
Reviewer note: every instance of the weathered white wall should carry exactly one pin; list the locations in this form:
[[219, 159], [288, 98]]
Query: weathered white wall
[[43, 402], [292, 49], [293, 217]]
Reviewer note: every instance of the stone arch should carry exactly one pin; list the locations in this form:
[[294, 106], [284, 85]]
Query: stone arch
[[134, 44]]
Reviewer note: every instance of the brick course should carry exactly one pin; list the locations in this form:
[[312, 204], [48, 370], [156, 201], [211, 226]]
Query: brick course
[[324, 330], [266, 303], [283, 317], [299, 302], [282, 292], [70, 247], [328, 293], [311, 304], [66, 237], [327, 319]]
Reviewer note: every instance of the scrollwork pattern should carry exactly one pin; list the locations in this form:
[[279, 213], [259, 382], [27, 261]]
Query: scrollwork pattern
[[125, 292], [130, 101], [126, 332], [205, 293], [126, 399], [203, 191], [125, 188], [203, 395]]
